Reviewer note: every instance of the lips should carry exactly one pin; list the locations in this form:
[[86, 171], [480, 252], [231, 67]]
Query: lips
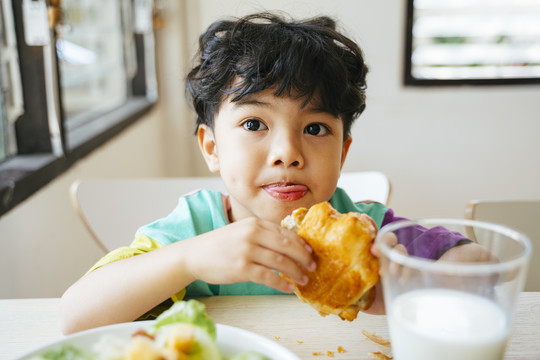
[[286, 191]]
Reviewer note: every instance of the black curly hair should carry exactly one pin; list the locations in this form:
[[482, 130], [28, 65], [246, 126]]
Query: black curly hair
[[306, 59]]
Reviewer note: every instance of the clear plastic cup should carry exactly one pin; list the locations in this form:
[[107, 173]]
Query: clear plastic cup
[[452, 309]]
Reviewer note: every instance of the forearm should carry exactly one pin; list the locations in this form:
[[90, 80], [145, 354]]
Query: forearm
[[124, 290], [248, 250]]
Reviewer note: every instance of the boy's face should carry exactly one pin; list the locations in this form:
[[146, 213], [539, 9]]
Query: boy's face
[[274, 155]]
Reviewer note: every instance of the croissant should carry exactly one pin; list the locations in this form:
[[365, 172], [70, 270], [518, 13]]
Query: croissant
[[343, 282]]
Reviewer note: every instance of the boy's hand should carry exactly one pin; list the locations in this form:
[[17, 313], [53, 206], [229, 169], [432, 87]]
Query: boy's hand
[[249, 250], [377, 308], [471, 252]]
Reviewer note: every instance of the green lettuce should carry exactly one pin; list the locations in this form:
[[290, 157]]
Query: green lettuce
[[191, 312], [65, 352], [249, 356]]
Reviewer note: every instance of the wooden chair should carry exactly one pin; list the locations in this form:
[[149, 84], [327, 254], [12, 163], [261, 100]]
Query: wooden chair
[[366, 185], [519, 215], [113, 209]]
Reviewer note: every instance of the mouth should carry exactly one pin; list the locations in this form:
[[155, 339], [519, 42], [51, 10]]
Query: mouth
[[286, 191]]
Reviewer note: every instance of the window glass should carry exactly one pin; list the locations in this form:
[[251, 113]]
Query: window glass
[[92, 59], [474, 39], [10, 82], [3, 132], [3, 119]]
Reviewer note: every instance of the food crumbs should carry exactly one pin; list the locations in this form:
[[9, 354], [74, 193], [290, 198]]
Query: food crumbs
[[299, 341], [379, 356], [340, 350], [276, 337], [330, 353], [316, 353], [376, 338]]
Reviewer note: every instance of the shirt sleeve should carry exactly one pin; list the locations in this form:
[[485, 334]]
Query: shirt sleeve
[[426, 243], [344, 204], [196, 213], [140, 245]]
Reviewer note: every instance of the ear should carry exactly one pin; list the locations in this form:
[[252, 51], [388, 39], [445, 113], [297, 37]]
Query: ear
[[207, 144], [345, 150]]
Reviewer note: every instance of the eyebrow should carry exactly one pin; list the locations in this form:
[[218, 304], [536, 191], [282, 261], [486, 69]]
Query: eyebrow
[[249, 100]]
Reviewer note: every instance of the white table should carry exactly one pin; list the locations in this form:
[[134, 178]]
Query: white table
[[29, 323]]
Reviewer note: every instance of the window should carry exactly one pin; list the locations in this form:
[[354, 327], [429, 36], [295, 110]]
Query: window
[[10, 81], [472, 42], [73, 74], [91, 50]]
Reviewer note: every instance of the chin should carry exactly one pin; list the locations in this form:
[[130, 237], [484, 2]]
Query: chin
[[284, 209]]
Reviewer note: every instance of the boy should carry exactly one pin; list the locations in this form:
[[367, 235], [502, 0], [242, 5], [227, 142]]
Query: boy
[[275, 101]]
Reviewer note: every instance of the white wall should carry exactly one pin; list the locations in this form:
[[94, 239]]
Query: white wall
[[180, 151], [440, 146]]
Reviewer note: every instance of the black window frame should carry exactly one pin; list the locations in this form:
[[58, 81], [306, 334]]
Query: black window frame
[[410, 80], [35, 165]]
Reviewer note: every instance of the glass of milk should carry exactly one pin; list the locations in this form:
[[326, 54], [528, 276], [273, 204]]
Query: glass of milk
[[458, 305]]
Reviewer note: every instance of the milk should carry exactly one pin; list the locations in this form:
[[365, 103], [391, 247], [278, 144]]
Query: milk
[[446, 324]]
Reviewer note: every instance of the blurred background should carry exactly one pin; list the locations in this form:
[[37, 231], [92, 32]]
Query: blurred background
[[436, 125]]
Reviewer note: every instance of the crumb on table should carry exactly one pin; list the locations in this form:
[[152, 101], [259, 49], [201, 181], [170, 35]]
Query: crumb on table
[[376, 338], [379, 356]]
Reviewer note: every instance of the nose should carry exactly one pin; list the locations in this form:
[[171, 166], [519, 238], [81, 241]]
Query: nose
[[286, 151]]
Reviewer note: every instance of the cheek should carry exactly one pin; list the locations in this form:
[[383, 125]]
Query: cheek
[[327, 156], [328, 169], [237, 160]]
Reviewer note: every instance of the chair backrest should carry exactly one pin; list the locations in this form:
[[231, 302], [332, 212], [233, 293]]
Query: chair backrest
[[366, 185], [519, 215], [113, 209]]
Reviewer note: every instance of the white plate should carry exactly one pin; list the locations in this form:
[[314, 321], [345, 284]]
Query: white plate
[[230, 340]]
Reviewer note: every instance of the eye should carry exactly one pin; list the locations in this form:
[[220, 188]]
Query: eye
[[254, 125], [317, 129]]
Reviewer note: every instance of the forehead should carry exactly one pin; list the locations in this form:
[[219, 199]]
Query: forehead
[[268, 98]]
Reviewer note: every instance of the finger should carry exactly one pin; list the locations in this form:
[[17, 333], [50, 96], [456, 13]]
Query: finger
[[288, 237], [400, 248], [289, 234], [395, 268], [405, 271], [389, 239], [377, 308], [275, 238], [289, 244], [279, 262], [375, 250], [263, 275]]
